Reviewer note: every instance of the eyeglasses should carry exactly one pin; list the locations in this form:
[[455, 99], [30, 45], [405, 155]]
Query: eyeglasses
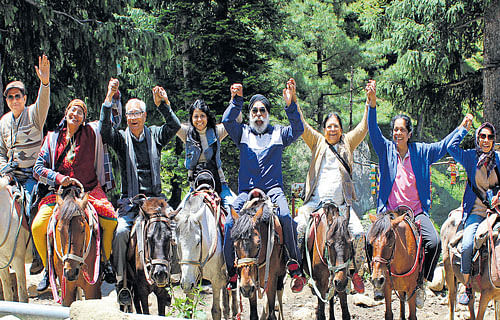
[[262, 110], [17, 96], [484, 136], [134, 114]]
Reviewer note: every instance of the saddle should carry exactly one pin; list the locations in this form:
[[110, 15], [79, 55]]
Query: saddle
[[259, 195], [212, 199]]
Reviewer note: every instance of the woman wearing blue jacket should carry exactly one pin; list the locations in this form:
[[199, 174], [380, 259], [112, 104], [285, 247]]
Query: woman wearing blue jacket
[[481, 165], [405, 180]]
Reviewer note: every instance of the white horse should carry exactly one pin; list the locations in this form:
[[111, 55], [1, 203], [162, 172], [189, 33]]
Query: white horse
[[15, 246], [199, 246]]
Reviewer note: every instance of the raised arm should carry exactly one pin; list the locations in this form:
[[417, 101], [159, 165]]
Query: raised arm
[[356, 135], [296, 128], [172, 123], [230, 117], [453, 144], [376, 137], [109, 134], [42, 103]]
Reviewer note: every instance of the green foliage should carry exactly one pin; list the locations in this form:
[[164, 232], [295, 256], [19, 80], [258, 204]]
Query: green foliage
[[187, 307]]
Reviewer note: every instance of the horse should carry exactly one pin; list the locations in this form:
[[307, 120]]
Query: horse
[[74, 246], [329, 251], [199, 245], [258, 243], [149, 254], [488, 288], [395, 253], [15, 244]]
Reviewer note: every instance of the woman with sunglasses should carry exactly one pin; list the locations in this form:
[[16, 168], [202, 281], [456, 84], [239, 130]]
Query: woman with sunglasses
[[481, 191], [70, 155]]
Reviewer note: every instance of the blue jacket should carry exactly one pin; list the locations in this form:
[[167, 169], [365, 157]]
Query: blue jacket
[[261, 154], [422, 155], [468, 158], [193, 150]]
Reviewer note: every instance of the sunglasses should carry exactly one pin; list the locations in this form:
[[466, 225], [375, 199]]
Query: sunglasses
[[262, 110], [484, 136], [17, 96]]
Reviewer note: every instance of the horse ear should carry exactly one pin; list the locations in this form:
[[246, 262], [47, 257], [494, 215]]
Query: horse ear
[[234, 214], [172, 214], [59, 200], [397, 220], [372, 217], [258, 214], [83, 202]]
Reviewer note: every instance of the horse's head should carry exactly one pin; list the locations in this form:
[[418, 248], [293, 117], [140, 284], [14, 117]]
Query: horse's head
[[72, 232], [339, 244], [381, 240], [246, 234], [158, 234]]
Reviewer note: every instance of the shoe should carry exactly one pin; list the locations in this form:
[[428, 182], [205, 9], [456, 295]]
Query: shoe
[[358, 284], [420, 296], [44, 284], [232, 284], [108, 274], [465, 297], [36, 266], [298, 282]]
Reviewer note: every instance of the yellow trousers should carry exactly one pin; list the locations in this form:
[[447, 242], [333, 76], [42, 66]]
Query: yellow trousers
[[39, 230]]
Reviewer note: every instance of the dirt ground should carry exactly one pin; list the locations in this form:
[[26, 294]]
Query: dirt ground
[[297, 306]]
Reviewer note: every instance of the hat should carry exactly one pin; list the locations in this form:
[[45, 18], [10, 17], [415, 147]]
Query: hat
[[261, 98], [80, 103], [14, 85]]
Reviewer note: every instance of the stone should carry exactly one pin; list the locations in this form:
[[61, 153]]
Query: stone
[[364, 300], [438, 282]]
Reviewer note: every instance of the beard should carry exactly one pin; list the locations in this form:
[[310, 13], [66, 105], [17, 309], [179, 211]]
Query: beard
[[259, 128]]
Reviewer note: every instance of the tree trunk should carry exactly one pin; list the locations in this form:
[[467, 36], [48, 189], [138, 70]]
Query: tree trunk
[[491, 72], [420, 126], [2, 111], [185, 57], [319, 56]]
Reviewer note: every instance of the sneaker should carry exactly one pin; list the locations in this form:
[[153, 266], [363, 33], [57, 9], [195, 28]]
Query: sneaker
[[420, 296], [358, 284], [298, 282], [108, 274], [44, 284], [465, 297], [232, 284], [36, 266]]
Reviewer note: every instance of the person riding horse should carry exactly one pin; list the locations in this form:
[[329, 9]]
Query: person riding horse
[[330, 173], [139, 151], [21, 132], [405, 180], [202, 138], [73, 154], [481, 192], [261, 147]]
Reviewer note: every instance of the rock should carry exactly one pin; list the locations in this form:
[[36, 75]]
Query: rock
[[364, 300], [32, 292], [303, 313], [437, 283], [95, 309]]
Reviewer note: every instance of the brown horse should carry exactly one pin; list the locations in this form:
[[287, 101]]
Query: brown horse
[[75, 246], [149, 254], [259, 251], [395, 252], [329, 256], [484, 284]]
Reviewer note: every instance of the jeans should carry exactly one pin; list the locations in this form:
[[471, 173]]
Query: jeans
[[470, 228], [126, 218]]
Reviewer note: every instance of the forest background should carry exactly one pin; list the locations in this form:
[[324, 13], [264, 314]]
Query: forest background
[[434, 60]]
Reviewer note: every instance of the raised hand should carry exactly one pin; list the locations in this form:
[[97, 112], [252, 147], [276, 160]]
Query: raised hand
[[236, 89], [467, 121], [113, 85], [43, 70], [290, 92], [160, 94], [371, 93]]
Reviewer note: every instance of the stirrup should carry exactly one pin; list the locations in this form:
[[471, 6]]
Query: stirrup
[[124, 296]]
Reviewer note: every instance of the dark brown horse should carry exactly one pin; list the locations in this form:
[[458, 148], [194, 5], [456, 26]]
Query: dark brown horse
[[149, 254], [396, 259], [259, 251], [485, 283], [75, 246], [329, 252]]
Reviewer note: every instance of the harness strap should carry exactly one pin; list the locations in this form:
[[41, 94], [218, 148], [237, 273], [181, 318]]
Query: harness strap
[[269, 250]]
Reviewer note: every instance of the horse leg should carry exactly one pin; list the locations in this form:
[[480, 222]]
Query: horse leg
[[137, 297], [412, 306], [343, 305], [226, 310], [18, 266], [279, 293], [253, 307], [163, 298], [271, 297], [70, 294], [402, 305], [234, 303], [483, 303], [143, 293], [388, 301], [216, 289], [451, 283], [7, 285]]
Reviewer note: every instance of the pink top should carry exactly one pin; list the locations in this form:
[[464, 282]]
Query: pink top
[[404, 190]]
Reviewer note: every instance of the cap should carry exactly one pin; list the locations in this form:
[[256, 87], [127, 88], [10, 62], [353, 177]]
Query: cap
[[13, 85]]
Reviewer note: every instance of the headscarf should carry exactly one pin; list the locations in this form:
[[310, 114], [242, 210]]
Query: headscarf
[[486, 158], [81, 104], [261, 98]]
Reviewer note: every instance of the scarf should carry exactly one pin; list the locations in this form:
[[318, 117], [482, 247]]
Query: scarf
[[132, 178], [485, 158]]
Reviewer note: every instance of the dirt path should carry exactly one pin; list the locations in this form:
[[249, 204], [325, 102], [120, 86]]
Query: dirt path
[[298, 306]]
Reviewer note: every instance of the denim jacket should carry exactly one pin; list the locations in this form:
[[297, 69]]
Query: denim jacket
[[193, 150]]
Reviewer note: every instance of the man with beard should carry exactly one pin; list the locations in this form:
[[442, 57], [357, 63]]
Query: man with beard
[[261, 147]]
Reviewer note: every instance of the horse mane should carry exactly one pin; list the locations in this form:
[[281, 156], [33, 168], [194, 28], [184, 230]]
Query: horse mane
[[339, 228], [380, 226], [69, 205], [243, 227]]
